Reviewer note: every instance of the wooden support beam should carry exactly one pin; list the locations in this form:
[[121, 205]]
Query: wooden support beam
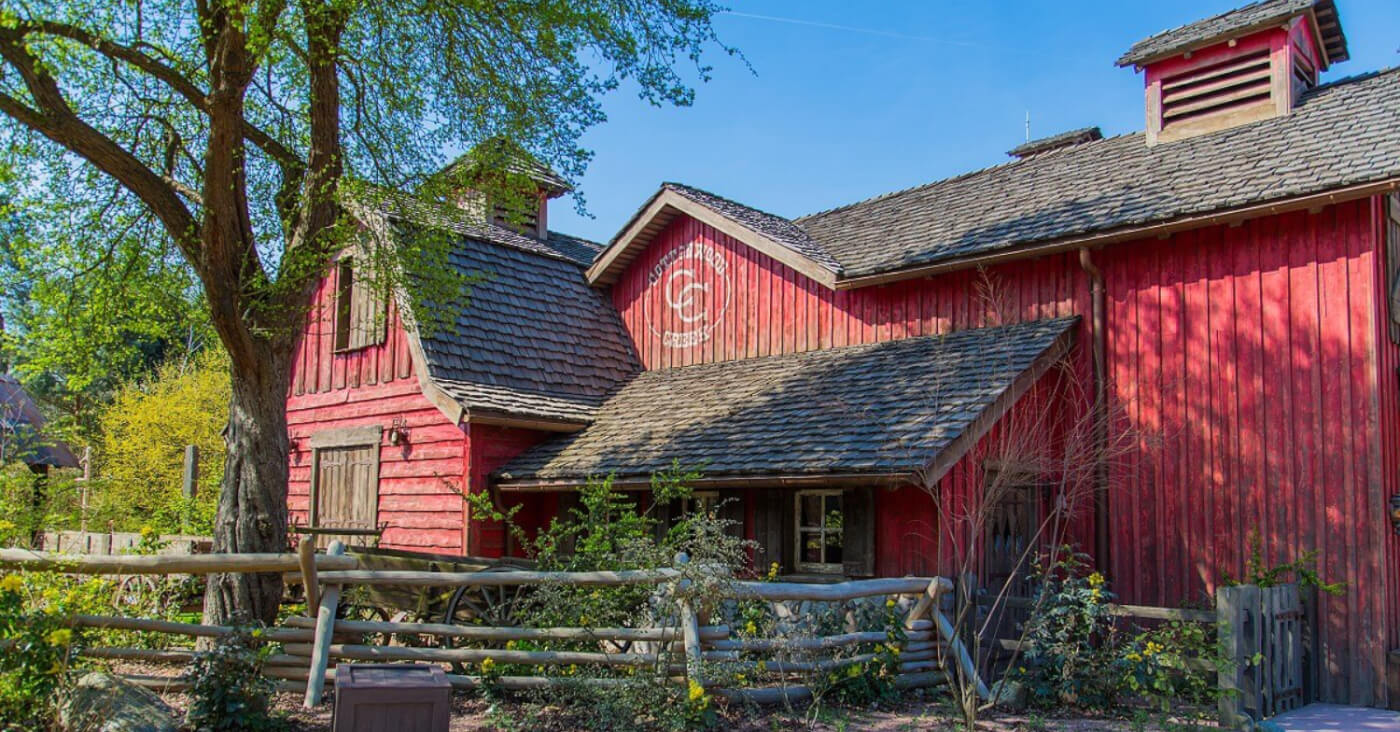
[[497, 579], [325, 620], [306, 558]]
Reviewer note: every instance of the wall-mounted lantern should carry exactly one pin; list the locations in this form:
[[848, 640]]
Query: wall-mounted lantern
[[398, 431]]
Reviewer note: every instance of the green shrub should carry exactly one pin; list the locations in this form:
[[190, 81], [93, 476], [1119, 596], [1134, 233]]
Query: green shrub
[[227, 688], [1071, 636], [36, 611], [1174, 662]]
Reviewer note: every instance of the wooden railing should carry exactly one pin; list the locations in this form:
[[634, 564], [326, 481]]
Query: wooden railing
[[680, 647]]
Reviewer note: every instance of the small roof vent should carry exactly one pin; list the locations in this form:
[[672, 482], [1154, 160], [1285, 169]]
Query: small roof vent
[[1055, 142]]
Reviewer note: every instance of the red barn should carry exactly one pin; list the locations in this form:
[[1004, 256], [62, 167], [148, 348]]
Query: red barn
[[1224, 280]]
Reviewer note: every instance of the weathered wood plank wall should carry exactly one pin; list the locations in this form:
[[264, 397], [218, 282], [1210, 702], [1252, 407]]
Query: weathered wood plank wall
[[419, 481]]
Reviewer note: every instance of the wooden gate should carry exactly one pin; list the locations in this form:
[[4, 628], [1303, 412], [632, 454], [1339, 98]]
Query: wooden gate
[[1262, 630]]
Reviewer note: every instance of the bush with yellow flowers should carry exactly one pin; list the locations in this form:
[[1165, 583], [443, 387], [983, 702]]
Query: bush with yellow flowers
[[41, 643]]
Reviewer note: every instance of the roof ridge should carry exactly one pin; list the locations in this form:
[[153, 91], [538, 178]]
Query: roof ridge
[[1316, 90], [960, 176], [734, 201]]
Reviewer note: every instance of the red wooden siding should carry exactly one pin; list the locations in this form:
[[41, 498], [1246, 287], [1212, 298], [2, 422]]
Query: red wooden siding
[[1244, 360], [490, 448], [775, 310], [1243, 368], [1386, 231], [419, 482]]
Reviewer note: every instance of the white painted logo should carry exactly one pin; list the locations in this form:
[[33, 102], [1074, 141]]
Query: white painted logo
[[695, 293]]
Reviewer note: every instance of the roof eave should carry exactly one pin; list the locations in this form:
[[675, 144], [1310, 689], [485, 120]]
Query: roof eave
[[661, 208], [1123, 234], [1129, 60], [786, 480]]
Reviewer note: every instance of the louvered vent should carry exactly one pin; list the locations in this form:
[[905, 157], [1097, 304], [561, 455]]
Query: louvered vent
[[526, 222], [1220, 88], [1304, 70]]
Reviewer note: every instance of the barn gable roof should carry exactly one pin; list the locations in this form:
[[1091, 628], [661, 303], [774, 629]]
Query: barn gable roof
[[531, 342], [1341, 141], [768, 233], [879, 411], [22, 427]]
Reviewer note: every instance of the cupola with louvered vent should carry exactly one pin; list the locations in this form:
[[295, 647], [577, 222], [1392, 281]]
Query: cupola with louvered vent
[[1243, 66]]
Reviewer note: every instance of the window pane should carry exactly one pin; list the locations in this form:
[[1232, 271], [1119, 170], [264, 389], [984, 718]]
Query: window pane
[[833, 518], [811, 510], [812, 547]]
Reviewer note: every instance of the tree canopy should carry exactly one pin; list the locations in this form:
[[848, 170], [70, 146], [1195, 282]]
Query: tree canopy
[[228, 129]]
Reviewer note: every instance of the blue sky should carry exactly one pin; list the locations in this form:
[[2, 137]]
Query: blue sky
[[850, 100]]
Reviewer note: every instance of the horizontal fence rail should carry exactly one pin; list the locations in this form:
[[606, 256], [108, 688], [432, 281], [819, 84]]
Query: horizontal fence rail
[[677, 647]]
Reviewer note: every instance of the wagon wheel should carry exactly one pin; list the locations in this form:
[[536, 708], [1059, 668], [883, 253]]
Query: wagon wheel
[[488, 605], [136, 592], [361, 611]]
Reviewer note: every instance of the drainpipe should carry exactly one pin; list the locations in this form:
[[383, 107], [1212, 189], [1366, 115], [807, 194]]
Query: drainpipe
[[1098, 336]]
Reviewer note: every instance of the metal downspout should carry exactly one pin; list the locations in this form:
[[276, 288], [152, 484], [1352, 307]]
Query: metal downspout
[[1099, 339]]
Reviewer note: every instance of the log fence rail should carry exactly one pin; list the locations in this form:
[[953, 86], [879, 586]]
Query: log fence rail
[[310, 643]]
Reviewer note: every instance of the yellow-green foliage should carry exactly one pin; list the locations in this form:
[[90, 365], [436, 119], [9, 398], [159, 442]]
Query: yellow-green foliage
[[144, 434]]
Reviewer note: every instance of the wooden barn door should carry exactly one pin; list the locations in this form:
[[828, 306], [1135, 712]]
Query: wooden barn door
[[347, 492], [1006, 564]]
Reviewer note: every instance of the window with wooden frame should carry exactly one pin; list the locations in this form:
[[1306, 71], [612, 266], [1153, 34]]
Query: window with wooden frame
[[361, 310], [1392, 264], [820, 521], [345, 484], [700, 502]]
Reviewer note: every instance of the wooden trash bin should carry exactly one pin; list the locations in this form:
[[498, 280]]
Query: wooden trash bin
[[391, 697]]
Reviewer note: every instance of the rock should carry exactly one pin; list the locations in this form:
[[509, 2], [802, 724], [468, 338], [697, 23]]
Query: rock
[[1009, 695], [101, 702]]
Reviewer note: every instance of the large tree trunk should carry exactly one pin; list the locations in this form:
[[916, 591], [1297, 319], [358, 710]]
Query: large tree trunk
[[252, 513]]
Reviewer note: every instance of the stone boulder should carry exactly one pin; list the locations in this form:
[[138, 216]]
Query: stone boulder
[[101, 702]]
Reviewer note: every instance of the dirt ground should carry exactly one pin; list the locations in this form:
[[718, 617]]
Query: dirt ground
[[471, 712]]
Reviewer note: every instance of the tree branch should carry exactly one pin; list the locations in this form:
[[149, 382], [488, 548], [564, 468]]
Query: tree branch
[[54, 119], [166, 73]]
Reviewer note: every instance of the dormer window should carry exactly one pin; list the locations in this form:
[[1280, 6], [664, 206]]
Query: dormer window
[[1239, 67]]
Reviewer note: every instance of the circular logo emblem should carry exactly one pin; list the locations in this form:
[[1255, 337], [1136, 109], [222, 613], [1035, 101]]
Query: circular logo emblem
[[693, 280]]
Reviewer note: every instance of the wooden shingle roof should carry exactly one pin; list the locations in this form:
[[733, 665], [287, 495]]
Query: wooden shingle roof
[[1254, 16], [873, 411], [22, 429]]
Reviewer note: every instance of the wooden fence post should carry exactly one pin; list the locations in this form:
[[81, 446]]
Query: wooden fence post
[[325, 624], [1237, 621], [690, 626], [306, 554]]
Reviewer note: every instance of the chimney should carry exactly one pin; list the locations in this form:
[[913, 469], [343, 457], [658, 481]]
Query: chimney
[[1246, 65]]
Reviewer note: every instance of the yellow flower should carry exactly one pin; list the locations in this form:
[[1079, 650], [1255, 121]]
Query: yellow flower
[[487, 665], [11, 583], [772, 571], [890, 602], [1095, 593], [6, 525], [60, 637], [696, 691], [1096, 580], [147, 532], [751, 628], [853, 671], [762, 666]]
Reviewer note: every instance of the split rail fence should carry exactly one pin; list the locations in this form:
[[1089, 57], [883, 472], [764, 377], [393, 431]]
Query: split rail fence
[[927, 639]]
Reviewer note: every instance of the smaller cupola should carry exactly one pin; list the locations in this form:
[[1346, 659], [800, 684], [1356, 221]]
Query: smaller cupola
[[1246, 65], [498, 183]]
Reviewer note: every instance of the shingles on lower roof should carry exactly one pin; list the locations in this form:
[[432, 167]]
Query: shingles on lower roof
[[22, 429], [774, 227], [1339, 134], [532, 339], [872, 409], [1254, 15]]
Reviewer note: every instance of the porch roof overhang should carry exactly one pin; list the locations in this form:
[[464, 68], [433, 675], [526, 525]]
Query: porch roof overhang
[[885, 413]]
